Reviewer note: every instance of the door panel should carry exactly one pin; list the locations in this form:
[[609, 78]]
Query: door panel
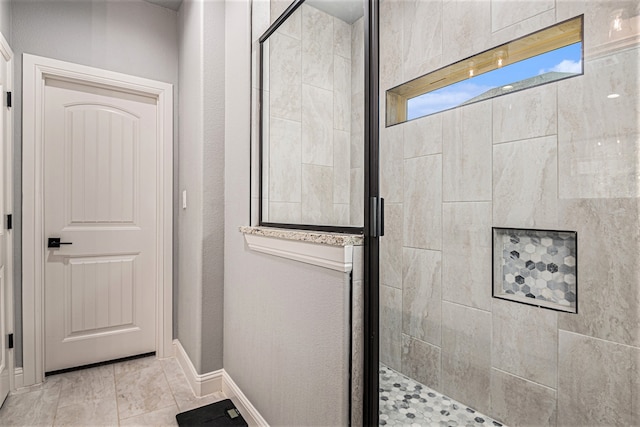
[[102, 165], [100, 196]]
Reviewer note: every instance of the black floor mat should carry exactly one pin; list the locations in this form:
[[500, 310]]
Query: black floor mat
[[223, 413]]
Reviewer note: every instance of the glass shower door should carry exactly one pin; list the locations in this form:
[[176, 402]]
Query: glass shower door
[[563, 158]]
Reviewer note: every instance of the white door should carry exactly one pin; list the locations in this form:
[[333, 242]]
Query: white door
[[100, 197]]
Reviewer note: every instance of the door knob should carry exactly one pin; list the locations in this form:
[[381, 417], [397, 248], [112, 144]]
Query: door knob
[[54, 242]]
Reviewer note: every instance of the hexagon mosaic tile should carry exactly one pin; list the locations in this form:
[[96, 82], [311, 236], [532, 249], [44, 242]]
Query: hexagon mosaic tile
[[536, 267], [406, 402]]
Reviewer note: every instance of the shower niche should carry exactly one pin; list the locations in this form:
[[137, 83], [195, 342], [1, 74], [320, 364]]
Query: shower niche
[[536, 267]]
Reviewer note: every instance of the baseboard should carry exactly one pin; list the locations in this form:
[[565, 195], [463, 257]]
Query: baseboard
[[248, 411], [18, 378], [201, 384], [217, 381]]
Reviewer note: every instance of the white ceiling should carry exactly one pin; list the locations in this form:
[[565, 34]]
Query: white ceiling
[[347, 10], [169, 4]]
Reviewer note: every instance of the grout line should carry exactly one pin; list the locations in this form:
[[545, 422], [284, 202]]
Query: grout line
[[169, 383], [115, 391], [468, 306], [532, 139], [523, 378]]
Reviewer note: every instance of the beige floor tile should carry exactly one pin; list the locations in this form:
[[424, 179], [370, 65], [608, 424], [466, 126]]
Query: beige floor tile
[[85, 385], [100, 412], [143, 389], [33, 408], [160, 418], [145, 392]]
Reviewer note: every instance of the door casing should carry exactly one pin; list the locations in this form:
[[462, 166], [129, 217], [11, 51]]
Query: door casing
[[35, 70], [7, 159]]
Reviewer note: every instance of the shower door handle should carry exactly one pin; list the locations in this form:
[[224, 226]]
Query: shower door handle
[[377, 217]]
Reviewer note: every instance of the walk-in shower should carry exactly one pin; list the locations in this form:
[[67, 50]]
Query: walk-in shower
[[509, 277], [501, 272]]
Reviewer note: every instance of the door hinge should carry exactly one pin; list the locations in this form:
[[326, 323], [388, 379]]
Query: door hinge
[[10, 341], [9, 99], [9, 222], [377, 217]]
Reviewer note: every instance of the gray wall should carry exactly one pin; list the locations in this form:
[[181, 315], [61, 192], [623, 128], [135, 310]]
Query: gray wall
[[5, 19], [132, 37], [285, 340], [559, 156], [199, 298]]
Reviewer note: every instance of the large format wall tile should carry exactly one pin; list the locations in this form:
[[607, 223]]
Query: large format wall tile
[[342, 94], [340, 214], [341, 166], [608, 268], [466, 355], [421, 361], [284, 160], [466, 254], [341, 38], [422, 294], [525, 183], [356, 210], [423, 202], [594, 382], [391, 327], [505, 12], [391, 246], [423, 136], [284, 82], [422, 37], [391, 164], [524, 27], [390, 44], [517, 402], [293, 25], [317, 48], [357, 130], [357, 56], [466, 153], [525, 341], [317, 126], [598, 146], [317, 194], [466, 29], [598, 17], [284, 212], [526, 114]]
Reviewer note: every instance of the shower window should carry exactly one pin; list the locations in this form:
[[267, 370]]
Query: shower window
[[312, 118], [549, 55]]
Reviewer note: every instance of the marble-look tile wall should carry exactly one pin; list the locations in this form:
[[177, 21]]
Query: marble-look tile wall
[[562, 156], [315, 102]]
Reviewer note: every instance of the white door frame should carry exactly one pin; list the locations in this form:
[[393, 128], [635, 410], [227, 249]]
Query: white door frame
[[7, 54], [35, 70]]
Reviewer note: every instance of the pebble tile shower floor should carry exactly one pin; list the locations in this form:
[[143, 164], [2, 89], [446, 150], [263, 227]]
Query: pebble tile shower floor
[[406, 402]]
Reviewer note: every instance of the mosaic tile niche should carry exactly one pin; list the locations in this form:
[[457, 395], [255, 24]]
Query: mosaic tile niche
[[536, 267]]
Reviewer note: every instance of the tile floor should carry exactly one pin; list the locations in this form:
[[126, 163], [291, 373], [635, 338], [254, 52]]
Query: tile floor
[[140, 392], [406, 402]]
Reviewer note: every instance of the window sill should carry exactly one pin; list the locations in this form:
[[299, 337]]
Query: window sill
[[328, 250]]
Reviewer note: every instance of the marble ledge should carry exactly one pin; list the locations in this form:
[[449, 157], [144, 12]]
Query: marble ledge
[[319, 237], [333, 251]]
